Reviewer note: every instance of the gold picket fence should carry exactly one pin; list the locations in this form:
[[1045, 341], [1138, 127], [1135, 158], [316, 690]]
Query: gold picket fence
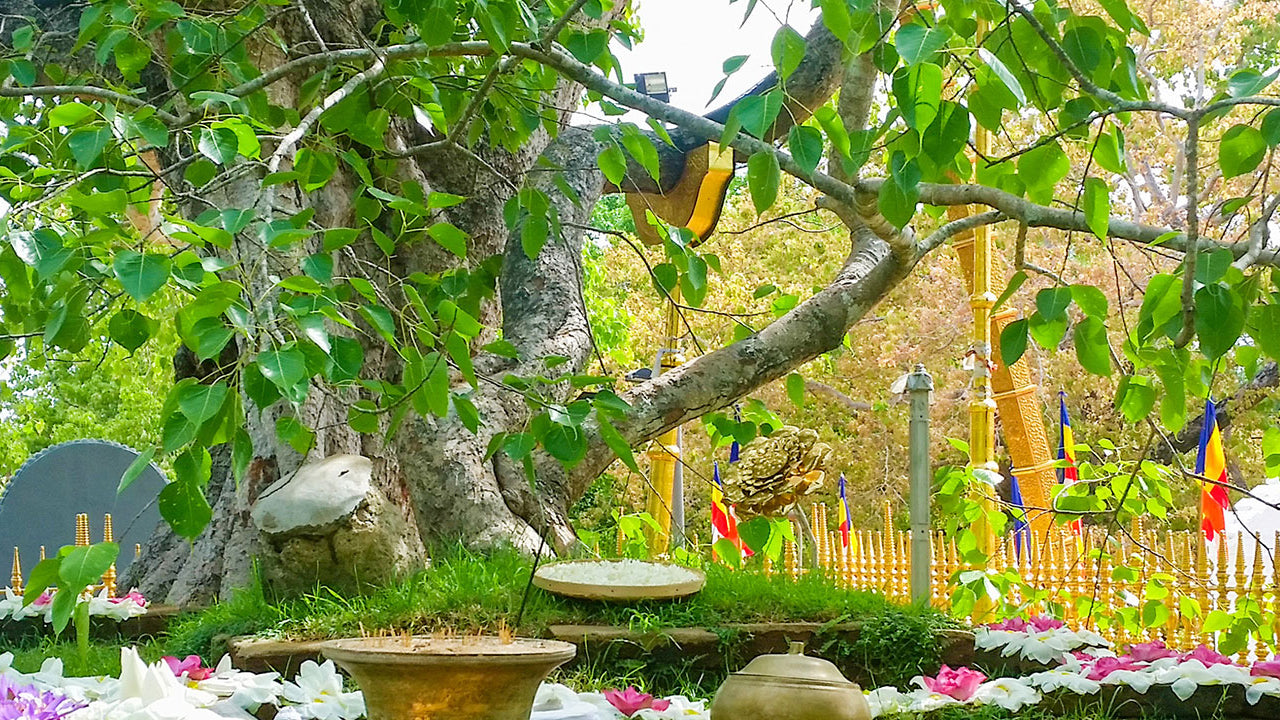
[[1094, 577]]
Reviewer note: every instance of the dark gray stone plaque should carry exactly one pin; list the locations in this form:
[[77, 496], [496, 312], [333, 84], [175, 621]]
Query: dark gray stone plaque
[[40, 503]]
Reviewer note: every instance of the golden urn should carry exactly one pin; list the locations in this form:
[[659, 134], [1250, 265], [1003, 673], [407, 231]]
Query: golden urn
[[794, 686]]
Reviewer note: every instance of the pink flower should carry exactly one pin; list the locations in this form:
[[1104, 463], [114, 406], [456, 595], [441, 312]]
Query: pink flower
[[1208, 656], [960, 683], [1104, 666], [190, 666], [1266, 668], [45, 599], [1011, 625], [133, 595], [1041, 623], [631, 701], [1147, 652]]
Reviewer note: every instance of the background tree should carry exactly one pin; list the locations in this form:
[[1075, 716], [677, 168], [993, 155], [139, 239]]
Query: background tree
[[374, 214]]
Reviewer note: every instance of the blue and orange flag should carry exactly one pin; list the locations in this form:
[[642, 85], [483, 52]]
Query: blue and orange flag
[[1211, 463], [1021, 528], [846, 518], [1067, 451]]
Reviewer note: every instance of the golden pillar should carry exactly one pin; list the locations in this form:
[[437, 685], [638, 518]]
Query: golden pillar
[[15, 577], [664, 454]]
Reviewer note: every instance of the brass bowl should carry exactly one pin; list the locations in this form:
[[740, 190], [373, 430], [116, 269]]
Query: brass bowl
[[618, 593], [460, 678], [789, 687]]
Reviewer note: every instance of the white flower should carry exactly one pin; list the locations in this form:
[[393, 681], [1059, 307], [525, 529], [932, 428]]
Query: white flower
[[242, 689], [1185, 677], [1259, 686], [1138, 680], [1012, 694], [680, 707], [886, 701], [1077, 682], [317, 692], [925, 701]]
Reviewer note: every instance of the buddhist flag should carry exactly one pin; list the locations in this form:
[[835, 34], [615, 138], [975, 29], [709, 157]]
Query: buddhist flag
[[724, 522], [1021, 529], [1211, 463], [1067, 451], [846, 522]]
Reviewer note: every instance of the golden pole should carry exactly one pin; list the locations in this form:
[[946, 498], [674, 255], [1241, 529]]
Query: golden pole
[[82, 530], [109, 577], [664, 454], [982, 409], [15, 578]]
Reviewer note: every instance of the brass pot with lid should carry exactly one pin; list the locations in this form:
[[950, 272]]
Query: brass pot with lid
[[793, 686]]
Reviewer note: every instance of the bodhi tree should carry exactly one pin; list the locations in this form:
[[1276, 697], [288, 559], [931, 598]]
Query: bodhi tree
[[365, 221]]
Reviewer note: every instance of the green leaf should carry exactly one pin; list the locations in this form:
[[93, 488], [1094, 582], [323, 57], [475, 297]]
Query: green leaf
[[1220, 319], [1271, 127], [787, 51], [1048, 334], [141, 275], [613, 164], [918, 90], [1213, 266], [805, 144], [795, 389], [899, 196], [84, 566], [131, 473], [43, 576], [132, 55], [450, 238], [1241, 151], [1265, 320], [1091, 300], [763, 177], [1247, 81], [241, 454], [1092, 349], [1002, 71], [70, 114], [183, 505], [201, 402], [1097, 207], [1052, 303], [285, 368], [917, 43], [1137, 399], [1015, 282], [299, 437], [641, 148], [87, 144], [130, 329], [219, 144], [64, 604], [381, 320], [618, 445], [1013, 341]]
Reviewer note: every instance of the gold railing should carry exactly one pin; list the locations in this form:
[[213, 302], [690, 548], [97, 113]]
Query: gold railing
[[1097, 581]]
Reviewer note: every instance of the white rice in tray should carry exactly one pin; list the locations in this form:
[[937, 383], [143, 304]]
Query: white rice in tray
[[617, 572]]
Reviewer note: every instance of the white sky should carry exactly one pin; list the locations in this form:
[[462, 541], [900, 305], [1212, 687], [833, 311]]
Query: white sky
[[691, 39]]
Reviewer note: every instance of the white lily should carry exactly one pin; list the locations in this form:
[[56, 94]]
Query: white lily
[[317, 693], [1184, 677], [680, 708], [1260, 686], [886, 700], [926, 701], [559, 702]]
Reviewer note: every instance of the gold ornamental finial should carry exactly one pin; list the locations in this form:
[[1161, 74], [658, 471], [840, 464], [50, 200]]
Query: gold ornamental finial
[[41, 553], [82, 530], [137, 551], [15, 579], [109, 577]]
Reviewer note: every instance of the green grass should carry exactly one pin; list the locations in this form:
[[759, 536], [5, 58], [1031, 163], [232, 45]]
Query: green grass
[[103, 657], [466, 593]]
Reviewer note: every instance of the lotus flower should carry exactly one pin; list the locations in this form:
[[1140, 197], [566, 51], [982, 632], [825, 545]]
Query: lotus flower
[[191, 666], [1044, 623], [1266, 668], [1104, 666], [1151, 651], [26, 702], [132, 596], [959, 683], [1208, 656], [1010, 625], [631, 701]]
